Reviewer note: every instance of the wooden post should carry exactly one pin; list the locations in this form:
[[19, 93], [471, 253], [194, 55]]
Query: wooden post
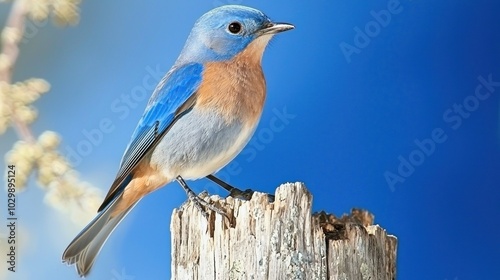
[[279, 240]]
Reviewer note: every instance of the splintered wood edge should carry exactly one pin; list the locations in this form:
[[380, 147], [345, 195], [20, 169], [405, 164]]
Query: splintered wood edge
[[288, 192], [210, 248]]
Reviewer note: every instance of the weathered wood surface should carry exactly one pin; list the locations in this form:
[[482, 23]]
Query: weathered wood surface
[[279, 240]]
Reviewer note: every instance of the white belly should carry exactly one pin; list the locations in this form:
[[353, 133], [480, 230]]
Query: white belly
[[199, 144]]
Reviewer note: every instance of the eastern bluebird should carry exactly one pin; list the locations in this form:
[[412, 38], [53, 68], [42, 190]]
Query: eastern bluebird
[[199, 117]]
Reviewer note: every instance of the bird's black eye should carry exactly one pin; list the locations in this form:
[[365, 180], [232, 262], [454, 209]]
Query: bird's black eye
[[234, 27]]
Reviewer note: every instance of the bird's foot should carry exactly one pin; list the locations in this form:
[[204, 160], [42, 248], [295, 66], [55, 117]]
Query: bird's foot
[[200, 203], [235, 192]]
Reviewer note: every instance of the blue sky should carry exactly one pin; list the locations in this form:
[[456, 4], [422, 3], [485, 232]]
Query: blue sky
[[361, 91]]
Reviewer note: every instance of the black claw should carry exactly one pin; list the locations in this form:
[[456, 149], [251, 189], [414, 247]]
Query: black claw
[[244, 195], [199, 202]]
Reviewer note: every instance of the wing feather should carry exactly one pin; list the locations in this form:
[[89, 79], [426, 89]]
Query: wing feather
[[174, 96]]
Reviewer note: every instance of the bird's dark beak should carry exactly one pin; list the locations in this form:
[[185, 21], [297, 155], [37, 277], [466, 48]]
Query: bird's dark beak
[[275, 27]]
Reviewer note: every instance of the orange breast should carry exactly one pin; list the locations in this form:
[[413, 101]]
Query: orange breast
[[236, 88]]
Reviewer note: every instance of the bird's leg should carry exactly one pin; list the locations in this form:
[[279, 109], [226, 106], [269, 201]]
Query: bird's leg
[[198, 201], [235, 192]]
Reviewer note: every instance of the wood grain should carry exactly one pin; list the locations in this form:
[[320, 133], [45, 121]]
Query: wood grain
[[279, 240]]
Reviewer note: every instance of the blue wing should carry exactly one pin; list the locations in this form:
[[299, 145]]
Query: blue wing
[[173, 97]]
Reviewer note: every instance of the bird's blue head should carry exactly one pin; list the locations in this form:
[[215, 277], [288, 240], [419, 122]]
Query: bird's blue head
[[223, 32]]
